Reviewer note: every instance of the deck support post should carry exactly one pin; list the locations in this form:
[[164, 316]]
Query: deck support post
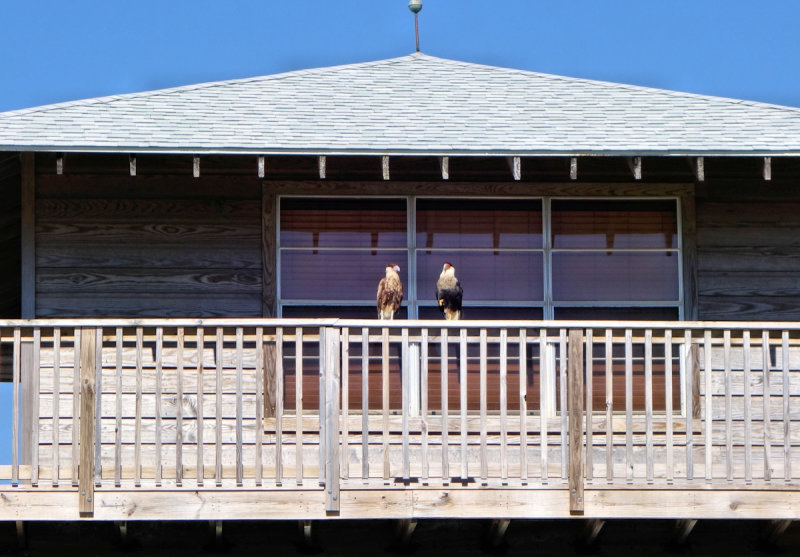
[[22, 540], [331, 370], [87, 441], [575, 412], [497, 534]]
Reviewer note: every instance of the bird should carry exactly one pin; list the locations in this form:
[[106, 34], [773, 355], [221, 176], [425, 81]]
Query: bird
[[390, 292], [449, 293]]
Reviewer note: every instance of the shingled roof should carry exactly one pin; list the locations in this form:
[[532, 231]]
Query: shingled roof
[[416, 104]]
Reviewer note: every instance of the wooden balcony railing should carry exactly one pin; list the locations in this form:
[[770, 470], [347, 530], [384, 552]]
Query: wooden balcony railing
[[337, 405]]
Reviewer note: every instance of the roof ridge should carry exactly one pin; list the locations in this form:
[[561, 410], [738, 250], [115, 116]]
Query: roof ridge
[[204, 85]]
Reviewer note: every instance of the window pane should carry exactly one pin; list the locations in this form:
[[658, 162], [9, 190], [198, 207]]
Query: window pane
[[531, 314], [615, 276], [341, 312], [601, 224], [336, 275], [479, 223], [617, 314], [484, 275], [319, 222]]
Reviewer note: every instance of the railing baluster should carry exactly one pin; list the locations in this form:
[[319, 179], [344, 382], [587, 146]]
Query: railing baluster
[[179, 343], [648, 403], [16, 368], [137, 456], [562, 380], [445, 368], [98, 405], [787, 438], [462, 373], [709, 412], [56, 405], [259, 371], [503, 405], [76, 401], [345, 403], [365, 404], [609, 375], [118, 411], [200, 396], [748, 441], [159, 377], [726, 360], [239, 412], [278, 406], [544, 404], [298, 403], [385, 402], [589, 367], [668, 365], [689, 403], [423, 387], [36, 382], [629, 405], [523, 406], [483, 408], [406, 401], [765, 372], [220, 353]]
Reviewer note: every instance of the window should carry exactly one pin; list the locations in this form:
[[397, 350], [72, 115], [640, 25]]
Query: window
[[533, 258]]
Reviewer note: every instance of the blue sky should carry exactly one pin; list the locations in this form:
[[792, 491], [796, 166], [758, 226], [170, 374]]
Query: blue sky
[[56, 51]]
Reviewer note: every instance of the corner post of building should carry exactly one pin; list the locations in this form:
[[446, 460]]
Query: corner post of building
[[86, 470], [575, 410], [331, 370]]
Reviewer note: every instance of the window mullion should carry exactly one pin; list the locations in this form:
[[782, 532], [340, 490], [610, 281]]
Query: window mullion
[[547, 262]]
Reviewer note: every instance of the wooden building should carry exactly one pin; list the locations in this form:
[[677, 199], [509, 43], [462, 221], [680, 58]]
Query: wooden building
[[189, 317]]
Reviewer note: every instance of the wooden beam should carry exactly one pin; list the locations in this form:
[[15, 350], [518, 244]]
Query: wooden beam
[[515, 164], [575, 410], [573, 168], [132, 164], [196, 167], [332, 391], [497, 533], [22, 539], [767, 169], [635, 164], [403, 531], [88, 373], [385, 166], [682, 529], [262, 166], [700, 169], [773, 530], [322, 163], [59, 163], [444, 165], [269, 258], [591, 529]]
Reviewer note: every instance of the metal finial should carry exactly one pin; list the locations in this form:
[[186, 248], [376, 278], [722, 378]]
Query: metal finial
[[415, 6]]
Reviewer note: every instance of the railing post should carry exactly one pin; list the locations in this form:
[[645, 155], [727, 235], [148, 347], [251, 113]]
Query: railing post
[[88, 357], [331, 370], [575, 412]]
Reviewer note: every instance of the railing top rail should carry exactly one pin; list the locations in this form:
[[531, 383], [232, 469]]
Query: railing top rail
[[399, 323]]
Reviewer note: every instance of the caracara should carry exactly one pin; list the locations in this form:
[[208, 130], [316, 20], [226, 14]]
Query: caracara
[[390, 292], [449, 293]]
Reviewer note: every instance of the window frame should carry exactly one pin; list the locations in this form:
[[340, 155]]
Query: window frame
[[548, 305]]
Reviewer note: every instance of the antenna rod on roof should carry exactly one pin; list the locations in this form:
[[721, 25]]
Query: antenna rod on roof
[[415, 6]]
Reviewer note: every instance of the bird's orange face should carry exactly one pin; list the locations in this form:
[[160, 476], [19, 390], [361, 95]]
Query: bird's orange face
[[446, 266]]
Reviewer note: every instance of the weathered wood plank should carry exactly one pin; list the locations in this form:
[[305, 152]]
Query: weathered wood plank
[[86, 503], [575, 409]]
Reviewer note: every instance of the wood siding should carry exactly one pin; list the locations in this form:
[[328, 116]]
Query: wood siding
[[162, 243], [748, 242]]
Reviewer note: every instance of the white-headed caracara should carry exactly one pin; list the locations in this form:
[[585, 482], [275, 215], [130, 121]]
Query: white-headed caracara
[[449, 293], [390, 292]]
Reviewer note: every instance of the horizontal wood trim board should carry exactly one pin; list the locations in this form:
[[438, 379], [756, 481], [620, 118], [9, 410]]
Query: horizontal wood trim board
[[284, 504]]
